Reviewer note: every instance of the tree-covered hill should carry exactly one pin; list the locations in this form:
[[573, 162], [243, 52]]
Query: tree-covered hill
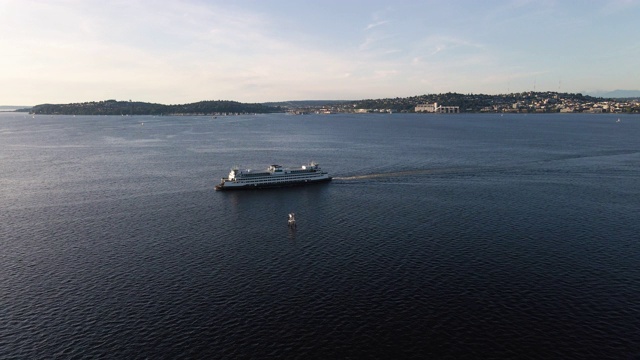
[[466, 102], [113, 107]]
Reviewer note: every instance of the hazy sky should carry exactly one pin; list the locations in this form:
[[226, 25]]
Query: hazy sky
[[271, 50]]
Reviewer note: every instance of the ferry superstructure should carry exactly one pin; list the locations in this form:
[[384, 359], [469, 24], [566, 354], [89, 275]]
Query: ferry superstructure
[[274, 176]]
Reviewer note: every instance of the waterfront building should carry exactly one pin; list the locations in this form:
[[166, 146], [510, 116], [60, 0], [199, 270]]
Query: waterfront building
[[438, 109]]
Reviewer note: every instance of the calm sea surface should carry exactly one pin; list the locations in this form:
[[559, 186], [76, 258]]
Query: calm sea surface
[[461, 236]]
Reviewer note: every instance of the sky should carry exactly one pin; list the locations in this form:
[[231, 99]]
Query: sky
[[176, 52]]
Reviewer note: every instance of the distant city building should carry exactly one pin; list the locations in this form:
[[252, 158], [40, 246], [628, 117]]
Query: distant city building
[[434, 108]]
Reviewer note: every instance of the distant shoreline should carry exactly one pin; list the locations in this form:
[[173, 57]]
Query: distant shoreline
[[526, 102]]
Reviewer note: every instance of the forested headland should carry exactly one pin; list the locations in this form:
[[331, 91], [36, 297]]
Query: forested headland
[[114, 107]]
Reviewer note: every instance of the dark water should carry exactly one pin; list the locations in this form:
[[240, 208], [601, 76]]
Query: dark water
[[463, 236]]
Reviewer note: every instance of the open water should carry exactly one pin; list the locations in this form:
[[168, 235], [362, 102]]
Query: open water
[[456, 236]]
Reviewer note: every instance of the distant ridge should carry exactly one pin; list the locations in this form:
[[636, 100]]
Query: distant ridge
[[12, 108], [617, 94], [303, 103]]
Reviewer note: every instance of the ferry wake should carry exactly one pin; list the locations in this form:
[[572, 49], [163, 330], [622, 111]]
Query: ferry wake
[[274, 176]]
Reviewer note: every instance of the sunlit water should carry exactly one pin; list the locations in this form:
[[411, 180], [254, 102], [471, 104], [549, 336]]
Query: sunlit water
[[461, 236]]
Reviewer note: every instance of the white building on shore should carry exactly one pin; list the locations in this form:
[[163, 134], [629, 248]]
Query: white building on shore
[[434, 108]]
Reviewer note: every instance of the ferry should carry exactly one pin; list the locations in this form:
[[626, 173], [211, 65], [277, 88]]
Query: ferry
[[274, 176]]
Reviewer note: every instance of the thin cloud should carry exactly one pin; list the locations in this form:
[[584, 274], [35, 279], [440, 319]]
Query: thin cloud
[[376, 24], [616, 6], [437, 44]]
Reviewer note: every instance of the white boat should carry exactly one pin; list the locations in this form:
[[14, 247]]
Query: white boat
[[274, 176]]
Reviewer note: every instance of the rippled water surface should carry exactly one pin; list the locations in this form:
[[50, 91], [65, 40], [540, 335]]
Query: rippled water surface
[[462, 236]]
